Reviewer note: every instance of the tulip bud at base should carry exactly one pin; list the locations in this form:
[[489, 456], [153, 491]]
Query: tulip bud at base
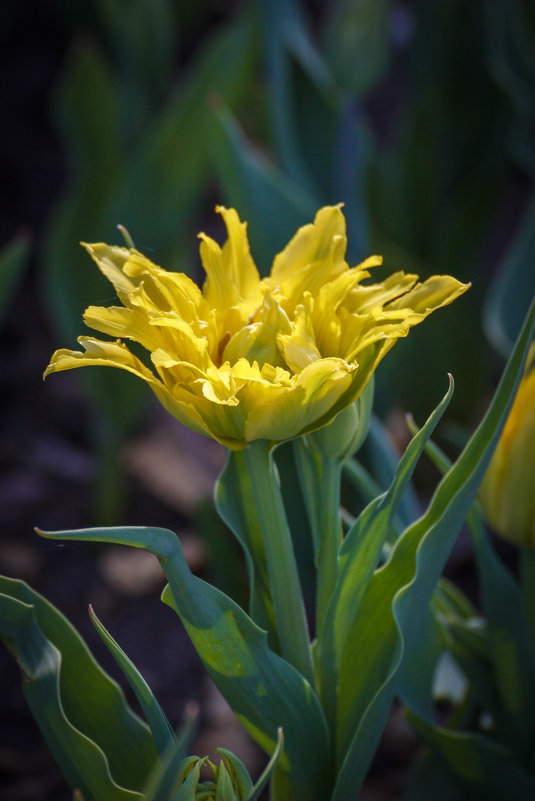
[[345, 435]]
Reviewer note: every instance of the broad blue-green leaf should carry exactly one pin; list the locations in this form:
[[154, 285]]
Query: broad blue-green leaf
[[429, 672], [484, 769], [418, 671], [505, 679], [264, 691], [398, 593], [159, 725], [506, 668], [513, 287], [13, 260], [101, 747]]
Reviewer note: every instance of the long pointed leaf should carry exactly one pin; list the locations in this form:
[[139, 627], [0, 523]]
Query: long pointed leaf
[[159, 725], [484, 769], [102, 748], [264, 691], [359, 554], [399, 592], [511, 653]]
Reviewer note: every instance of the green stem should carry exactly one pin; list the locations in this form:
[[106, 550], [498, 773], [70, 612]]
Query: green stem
[[527, 579], [330, 536], [282, 568]]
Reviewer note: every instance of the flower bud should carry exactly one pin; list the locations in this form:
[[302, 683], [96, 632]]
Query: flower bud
[[507, 493], [344, 436], [229, 779]]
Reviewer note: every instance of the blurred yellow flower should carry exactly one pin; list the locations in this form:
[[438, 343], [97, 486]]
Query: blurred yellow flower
[[507, 493], [244, 358]]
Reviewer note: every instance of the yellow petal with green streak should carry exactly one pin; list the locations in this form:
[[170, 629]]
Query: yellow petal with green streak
[[435, 292], [299, 348]]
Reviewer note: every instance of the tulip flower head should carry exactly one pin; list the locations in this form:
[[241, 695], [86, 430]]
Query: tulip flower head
[[507, 493], [246, 358]]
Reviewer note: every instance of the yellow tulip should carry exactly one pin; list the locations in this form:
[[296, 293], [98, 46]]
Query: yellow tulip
[[248, 358], [507, 493]]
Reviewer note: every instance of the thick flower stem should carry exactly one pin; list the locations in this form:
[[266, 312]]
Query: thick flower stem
[[282, 568], [330, 536]]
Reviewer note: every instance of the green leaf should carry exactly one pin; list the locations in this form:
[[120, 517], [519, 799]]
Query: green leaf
[[511, 291], [264, 691], [13, 260], [391, 611], [505, 678], [418, 671], [358, 558], [266, 774], [240, 776], [485, 770], [101, 747], [384, 459], [159, 725], [170, 773]]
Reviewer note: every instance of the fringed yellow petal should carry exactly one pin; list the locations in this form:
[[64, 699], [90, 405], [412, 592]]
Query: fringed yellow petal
[[231, 274], [366, 298], [96, 352], [437, 291]]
